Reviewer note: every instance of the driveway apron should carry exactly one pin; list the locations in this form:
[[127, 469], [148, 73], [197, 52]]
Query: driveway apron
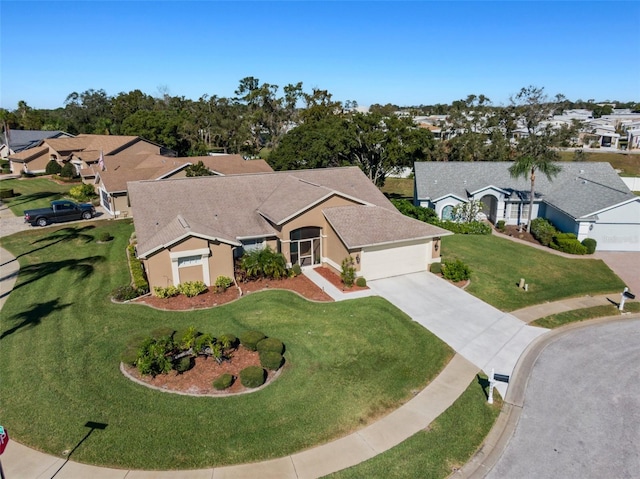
[[482, 334]]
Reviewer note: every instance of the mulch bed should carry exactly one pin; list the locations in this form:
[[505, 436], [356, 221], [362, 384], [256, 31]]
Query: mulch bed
[[335, 280], [513, 230]]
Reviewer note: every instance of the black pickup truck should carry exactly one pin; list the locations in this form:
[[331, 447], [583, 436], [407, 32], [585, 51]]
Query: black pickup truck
[[61, 210]]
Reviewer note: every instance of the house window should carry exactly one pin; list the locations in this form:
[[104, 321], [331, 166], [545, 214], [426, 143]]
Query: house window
[[447, 212], [519, 211], [186, 261], [304, 248], [253, 244]]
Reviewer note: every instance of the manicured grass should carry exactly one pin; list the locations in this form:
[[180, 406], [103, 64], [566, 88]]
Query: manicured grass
[[497, 265], [629, 165], [560, 319], [61, 338], [398, 188], [33, 193], [447, 444]]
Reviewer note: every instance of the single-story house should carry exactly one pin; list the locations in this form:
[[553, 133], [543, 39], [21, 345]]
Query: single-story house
[[585, 198], [113, 174], [82, 151], [19, 140], [193, 228]]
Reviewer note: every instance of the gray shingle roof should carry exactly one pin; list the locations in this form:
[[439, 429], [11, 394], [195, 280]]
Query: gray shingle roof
[[580, 189], [23, 139], [229, 207]]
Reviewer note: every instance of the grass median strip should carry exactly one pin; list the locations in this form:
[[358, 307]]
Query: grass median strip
[[560, 319], [445, 446], [61, 338]]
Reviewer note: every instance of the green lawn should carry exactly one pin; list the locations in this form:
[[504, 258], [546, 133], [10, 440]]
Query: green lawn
[[33, 193], [61, 339], [629, 165], [560, 319], [398, 188], [448, 443], [497, 265]]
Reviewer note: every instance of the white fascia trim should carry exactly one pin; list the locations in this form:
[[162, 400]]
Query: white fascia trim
[[630, 200], [180, 238], [490, 187], [332, 263], [182, 167], [317, 202], [193, 252], [465, 200]]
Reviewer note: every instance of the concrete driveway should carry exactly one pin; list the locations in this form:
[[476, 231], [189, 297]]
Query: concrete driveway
[[482, 334], [625, 264], [581, 413]]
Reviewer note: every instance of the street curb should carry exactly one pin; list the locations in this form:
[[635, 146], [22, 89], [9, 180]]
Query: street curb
[[494, 445]]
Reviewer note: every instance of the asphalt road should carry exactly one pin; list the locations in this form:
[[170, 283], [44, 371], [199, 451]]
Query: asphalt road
[[581, 415]]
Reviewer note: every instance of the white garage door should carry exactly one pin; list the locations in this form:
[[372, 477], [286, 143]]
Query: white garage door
[[612, 237], [393, 260]]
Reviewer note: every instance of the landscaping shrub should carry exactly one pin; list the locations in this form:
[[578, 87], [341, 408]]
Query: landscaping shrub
[[456, 271], [252, 377], [68, 171], [153, 356], [53, 168], [223, 283], [407, 208], [470, 228], [126, 293], [6, 193], [228, 340], [296, 270], [348, 273], [187, 339], [568, 243], [270, 345], [250, 339], [192, 289], [436, 268], [202, 342], [361, 282], [590, 244], [223, 382], [168, 292], [137, 271], [104, 236], [271, 360], [543, 231], [183, 364], [500, 226], [83, 192], [264, 263]]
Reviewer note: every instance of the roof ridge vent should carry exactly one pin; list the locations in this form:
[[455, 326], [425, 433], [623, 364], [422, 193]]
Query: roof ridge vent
[[308, 182]]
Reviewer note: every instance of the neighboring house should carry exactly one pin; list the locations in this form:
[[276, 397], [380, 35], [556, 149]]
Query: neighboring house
[[82, 151], [20, 140], [111, 182], [193, 228], [588, 199]]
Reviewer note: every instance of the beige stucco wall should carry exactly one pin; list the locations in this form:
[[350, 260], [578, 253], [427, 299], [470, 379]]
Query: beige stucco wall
[[220, 261], [313, 217], [39, 164], [336, 251]]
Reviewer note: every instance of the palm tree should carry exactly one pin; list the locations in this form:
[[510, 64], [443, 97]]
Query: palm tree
[[535, 154]]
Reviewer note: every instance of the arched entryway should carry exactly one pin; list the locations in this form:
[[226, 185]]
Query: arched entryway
[[304, 248], [490, 207]]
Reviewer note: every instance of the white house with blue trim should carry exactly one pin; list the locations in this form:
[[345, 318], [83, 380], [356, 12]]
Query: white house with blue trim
[[585, 198]]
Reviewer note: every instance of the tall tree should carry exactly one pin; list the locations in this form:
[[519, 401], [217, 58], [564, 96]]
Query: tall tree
[[534, 153]]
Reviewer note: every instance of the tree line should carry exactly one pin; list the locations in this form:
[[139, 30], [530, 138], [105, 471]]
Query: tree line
[[294, 128]]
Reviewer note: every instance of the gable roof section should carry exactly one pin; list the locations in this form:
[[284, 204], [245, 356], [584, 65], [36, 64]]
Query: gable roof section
[[121, 169], [229, 205], [30, 154], [579, 190], [23, 139], [361, 226], [232, 164]]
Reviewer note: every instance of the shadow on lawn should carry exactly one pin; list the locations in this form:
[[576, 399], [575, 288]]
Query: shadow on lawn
[[92, 427], [40, 195], [83, 268], [484, 384], [34, 316]]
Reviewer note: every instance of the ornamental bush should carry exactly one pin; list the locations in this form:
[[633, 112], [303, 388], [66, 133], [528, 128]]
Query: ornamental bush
[[264, 263], [271, 360], [228, 340], [153, 356], [500, 226], [104, 236], [53, 168], [192, 289], [436, 268], [271, 345], [137, 271], [82, 192], [361, 282], [568, 243], [543, 231], [590, 244], [456, 271], [348, 273], [470, 228], [126, 293], [68, 170], [253, 377], [223, 382], [6, 193], [250, 339], [296, 270], [168, 292], [223, 283], [183, 364]]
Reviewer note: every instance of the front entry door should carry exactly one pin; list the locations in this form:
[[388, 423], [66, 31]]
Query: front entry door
[[305, 246]]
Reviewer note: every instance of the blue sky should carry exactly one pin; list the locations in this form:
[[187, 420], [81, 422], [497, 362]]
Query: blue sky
[[406, 53]]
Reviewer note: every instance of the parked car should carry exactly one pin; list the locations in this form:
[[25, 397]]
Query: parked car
[[60, 210]]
